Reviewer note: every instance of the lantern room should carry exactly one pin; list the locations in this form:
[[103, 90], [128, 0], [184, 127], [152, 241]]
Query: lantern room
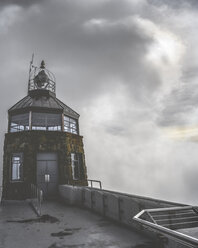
[[40, 109], [43, 145]]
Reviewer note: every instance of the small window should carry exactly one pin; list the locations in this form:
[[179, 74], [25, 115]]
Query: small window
[[70, 125], [77, 166], [16, 167]]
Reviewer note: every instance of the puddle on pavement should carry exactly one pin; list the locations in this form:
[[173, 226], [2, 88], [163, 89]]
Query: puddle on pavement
[[66, 232], [42, 219], [55, 245], [148, 245]]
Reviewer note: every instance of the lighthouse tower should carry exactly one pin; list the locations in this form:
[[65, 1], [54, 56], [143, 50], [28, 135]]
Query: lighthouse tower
[[43, 145]]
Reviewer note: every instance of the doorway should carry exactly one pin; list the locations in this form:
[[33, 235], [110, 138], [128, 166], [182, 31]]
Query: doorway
[[47, 174]]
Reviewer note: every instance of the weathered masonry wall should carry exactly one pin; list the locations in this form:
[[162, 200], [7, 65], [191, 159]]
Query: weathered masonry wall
[[30, 143], [116, 206]]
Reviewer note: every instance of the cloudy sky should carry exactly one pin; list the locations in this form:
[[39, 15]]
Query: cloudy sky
[[130, 69]]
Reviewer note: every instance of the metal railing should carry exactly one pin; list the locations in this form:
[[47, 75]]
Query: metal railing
[[36, 198], [179, 237], [91, 183]]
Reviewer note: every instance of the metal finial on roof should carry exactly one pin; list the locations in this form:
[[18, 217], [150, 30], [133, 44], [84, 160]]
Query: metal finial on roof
[[42, 64]]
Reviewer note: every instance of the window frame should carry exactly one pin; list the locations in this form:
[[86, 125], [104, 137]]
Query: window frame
[[20, 169], [79, 164], [19, 127], [69, 128], [46, 116]]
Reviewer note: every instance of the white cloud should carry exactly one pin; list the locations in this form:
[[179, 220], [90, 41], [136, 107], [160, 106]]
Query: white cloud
[[9, 16], [95, 22]]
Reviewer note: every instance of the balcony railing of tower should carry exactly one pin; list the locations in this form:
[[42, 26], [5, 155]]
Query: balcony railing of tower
[[41, 78]]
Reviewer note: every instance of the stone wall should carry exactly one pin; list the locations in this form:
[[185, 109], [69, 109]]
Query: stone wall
[[30, 143]]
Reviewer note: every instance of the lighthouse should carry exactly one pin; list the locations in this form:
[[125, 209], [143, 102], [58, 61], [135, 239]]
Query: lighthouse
[[43, 145]]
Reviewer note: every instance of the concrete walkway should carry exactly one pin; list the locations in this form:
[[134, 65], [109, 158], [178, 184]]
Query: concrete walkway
[[62, 227]]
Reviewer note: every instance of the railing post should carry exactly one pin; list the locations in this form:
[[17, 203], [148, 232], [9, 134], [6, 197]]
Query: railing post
[[36, 198], [40, 200]]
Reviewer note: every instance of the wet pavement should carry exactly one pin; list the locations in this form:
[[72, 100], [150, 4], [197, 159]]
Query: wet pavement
[[62, 226], [192, 232]]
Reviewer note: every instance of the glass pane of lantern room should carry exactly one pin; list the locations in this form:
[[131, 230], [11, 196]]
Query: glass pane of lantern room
[[70, 125], [46, 121], [38, 121], [19, 122], [54, 122]]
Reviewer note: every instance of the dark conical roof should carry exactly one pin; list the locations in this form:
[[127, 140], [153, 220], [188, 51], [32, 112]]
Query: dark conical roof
[[42, 100]]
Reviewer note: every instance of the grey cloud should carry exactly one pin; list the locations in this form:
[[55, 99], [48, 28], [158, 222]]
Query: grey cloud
[[189, 73], [98, 53], [179, 4], [179, 106], [24, 3]]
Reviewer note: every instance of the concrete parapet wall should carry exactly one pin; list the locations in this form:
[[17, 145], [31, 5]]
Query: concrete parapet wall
[[117, 206], [111, 206], [71, 195], [98, 202], [87, 198]]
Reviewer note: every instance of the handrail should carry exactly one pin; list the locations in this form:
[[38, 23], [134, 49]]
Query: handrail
[[181, 238], [36, 198], [95, 181]]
